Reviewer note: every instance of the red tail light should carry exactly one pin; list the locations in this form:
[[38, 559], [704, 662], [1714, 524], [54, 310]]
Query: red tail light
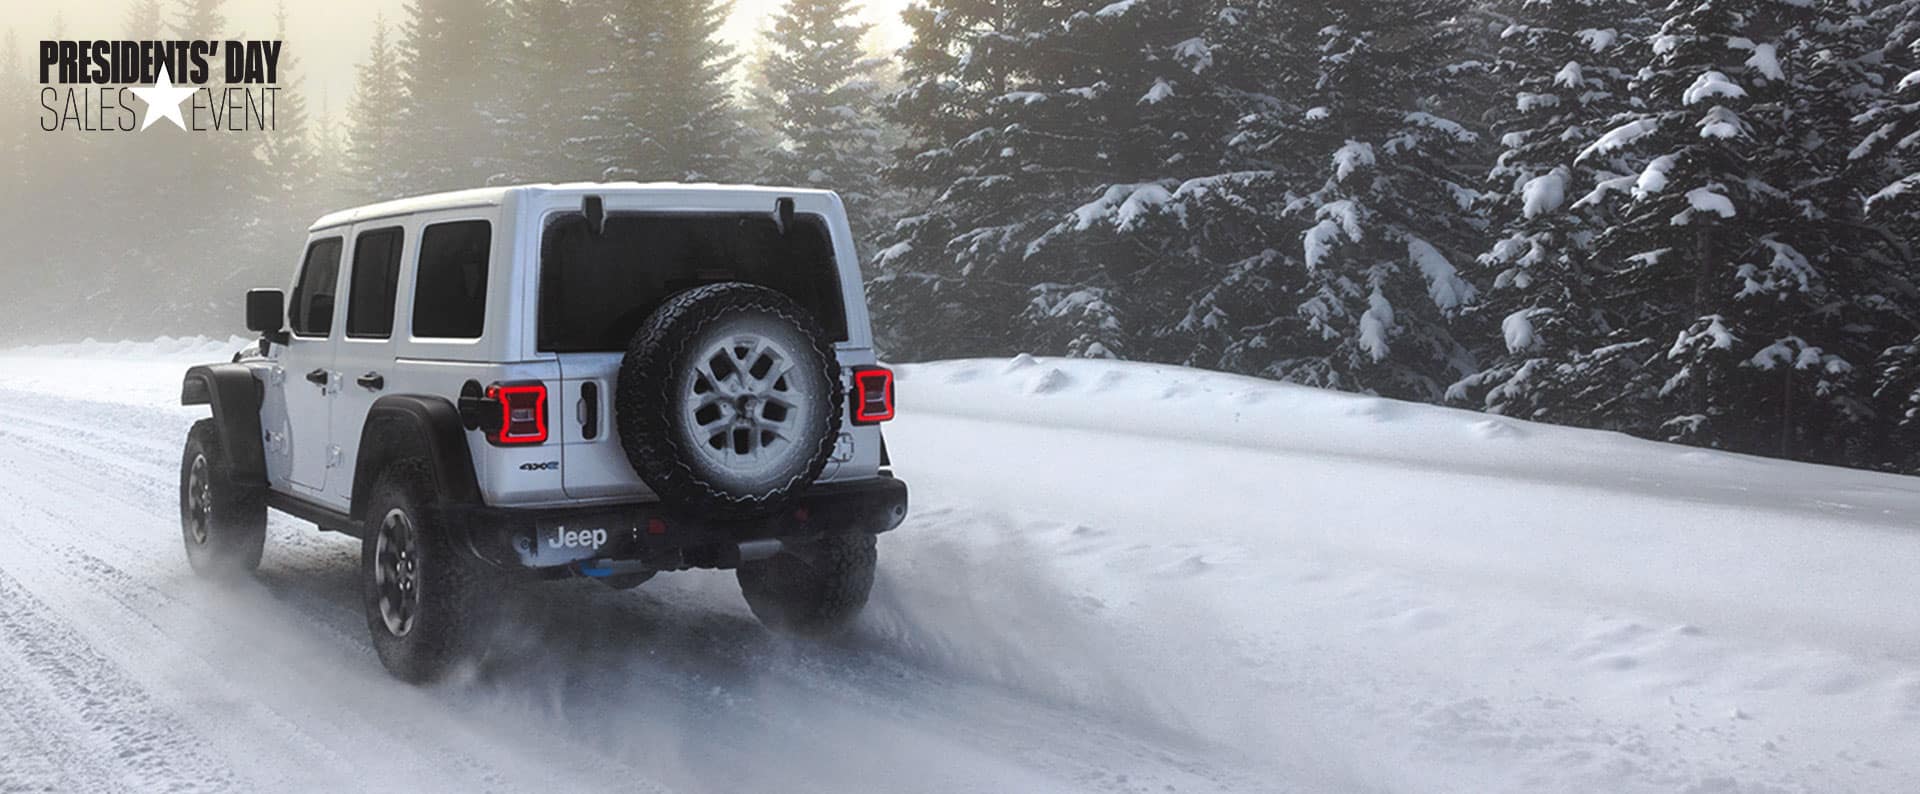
[[523, 413], [872, 395]]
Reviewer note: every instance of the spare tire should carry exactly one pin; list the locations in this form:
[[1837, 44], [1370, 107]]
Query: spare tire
[[728, 401]]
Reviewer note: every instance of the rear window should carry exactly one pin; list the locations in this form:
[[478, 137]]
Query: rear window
[[450, 292], [596, 290]]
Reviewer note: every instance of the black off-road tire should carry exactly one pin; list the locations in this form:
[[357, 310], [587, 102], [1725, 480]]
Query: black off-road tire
[[223, 522], [653, 402], [816, 591], [456, 593]]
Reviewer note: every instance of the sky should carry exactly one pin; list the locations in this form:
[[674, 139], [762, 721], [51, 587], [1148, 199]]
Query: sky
[[330, 36]]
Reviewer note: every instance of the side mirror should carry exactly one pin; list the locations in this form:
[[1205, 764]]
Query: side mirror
[[266, 310]]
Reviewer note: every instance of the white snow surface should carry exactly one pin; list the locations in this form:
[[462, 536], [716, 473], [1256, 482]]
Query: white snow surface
[[1711, 84], [1706, 199], [1623, 135], [1350, 156], [1544, 193], [1517, 330], [1116, 577]]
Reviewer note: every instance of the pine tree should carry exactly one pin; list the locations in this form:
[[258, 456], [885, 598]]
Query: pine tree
[[822, 98], [286, 151], [681, 123], [451, 66], [555, 72], [1381, 197], [1889, 141], [1887, 156], [201, 19], [1048, 139], [1561, 61], [377, 165], [144, 19], [328, 143], [1734, 242]]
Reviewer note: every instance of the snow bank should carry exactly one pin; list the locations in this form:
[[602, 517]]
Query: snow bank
[[1443, 600], [118, 372], [1211, 407]]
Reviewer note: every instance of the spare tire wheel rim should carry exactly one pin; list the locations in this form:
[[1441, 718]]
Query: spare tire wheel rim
[[744, 405]]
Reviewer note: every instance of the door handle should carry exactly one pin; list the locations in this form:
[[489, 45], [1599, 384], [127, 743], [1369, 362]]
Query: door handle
[[318, 377], [371, 381]]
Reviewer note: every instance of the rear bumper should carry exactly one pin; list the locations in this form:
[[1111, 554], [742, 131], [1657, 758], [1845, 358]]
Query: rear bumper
[[652, 537]]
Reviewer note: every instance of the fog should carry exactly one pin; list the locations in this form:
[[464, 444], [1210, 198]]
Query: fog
[[331, 36], [130, 231]]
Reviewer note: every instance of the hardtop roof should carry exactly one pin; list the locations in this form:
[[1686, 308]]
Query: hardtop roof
[[494, 196]]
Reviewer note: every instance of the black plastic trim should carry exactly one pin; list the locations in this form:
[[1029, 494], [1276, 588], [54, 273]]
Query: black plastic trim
[[509, 537], [235, 395], [413, 425], [328, 518]]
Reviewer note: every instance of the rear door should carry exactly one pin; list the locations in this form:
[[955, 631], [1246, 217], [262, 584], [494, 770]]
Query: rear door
[[307, 380], [364, 356], [597, 287]]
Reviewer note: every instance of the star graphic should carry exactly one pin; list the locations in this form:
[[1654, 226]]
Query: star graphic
[[163, 100]]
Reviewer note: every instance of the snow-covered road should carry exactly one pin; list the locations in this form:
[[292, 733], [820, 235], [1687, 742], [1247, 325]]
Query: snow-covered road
[[1116, 578]]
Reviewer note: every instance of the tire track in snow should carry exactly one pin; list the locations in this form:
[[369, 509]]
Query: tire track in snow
[[665, 681], [136, 742], [196, 626]]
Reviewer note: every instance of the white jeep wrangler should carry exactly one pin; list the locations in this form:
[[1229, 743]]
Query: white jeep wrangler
[[547, 381]]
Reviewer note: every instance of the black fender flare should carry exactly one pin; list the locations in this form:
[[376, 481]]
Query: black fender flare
[[235, 395], [412, 425]]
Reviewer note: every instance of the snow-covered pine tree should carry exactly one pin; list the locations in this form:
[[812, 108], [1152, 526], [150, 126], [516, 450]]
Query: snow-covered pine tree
[[1049, 139], [1382, 196], [668, 112], [377, 165], [451, 54], [943, 285], [1890, 124], [1563, 64], [144, 19], [286, 152], [553, 68], [200, 19], [1164, 259], [1738, 283], [289, 195], [823, 101], [1888, 156]]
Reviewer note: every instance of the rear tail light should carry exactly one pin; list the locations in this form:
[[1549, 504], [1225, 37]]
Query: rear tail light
[[872, 395], [523, 413]]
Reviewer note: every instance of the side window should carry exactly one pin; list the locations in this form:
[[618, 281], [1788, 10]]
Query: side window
[[376, 272], [450, 290], [310, 311]]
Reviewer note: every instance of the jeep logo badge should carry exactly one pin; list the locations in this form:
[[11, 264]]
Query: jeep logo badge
[[547, 466], [578, 538]]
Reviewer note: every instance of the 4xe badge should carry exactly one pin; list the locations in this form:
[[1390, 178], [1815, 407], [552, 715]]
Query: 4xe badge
[[551, 465], [564, 538]]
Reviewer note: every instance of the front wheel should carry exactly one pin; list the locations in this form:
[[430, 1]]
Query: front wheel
[[427, 600], [815, 590], [223, 522]]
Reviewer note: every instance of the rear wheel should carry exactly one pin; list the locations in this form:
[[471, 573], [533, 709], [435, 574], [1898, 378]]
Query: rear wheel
[[223, 522], [814, 591], [427, 600]]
